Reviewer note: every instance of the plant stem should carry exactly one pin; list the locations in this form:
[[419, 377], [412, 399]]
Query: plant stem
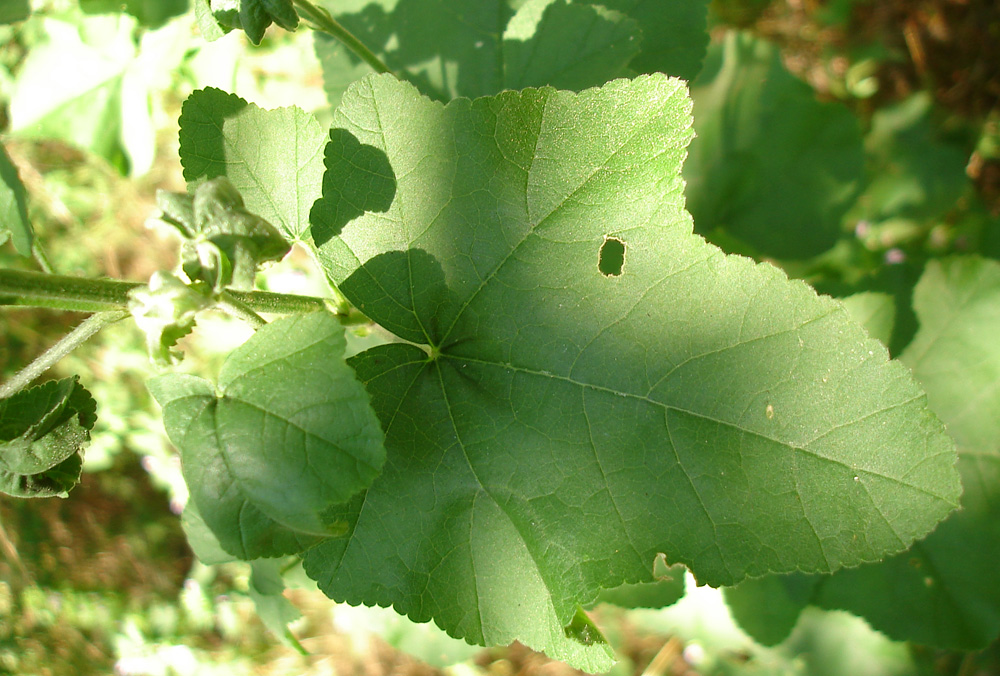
[[327, 24], [36, 289], [41, 258], [87, 328], [236, 308]]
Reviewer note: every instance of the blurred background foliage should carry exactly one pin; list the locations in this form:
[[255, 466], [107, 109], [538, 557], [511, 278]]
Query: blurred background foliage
[[871, 129]]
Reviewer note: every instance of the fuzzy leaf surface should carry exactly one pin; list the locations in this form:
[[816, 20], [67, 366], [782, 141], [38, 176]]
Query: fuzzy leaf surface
[[288, 434], [563, 427], [274, 158], [42, 434]]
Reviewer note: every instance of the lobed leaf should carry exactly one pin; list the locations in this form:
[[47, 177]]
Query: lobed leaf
[[564, 426], [289, 434], [42, 434]]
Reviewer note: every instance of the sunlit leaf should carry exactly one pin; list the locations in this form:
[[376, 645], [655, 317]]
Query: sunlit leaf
[[554, 429], [14, 223]]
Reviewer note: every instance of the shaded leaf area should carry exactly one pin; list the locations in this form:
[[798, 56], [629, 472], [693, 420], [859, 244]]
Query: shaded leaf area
[[42, 434], [14, 10], [14, 223], [289, 434], [944, 591], [474, 48], [770, 166], [674, 34], [554, 409], [153, 13], [273, 158], [90, 83]]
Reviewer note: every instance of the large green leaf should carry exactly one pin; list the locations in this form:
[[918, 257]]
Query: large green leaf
[[14, 223], [771, 166], [945, 590], [274, 158], [42, 434], [555, 428], [287, 434], [451, 48]]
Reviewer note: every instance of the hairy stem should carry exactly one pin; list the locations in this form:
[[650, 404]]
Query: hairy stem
[[35, 289], [87, 328], [237, 308], [327, 24]]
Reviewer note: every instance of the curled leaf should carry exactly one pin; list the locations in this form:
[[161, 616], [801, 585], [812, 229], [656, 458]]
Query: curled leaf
[[42, 434]]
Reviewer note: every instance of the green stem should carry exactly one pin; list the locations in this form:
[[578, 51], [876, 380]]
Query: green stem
[[41, 258], [326, 23], [36, 289], [87, 328], [236, 308]]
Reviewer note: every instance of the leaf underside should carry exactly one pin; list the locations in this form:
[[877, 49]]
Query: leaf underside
[[562, 427]]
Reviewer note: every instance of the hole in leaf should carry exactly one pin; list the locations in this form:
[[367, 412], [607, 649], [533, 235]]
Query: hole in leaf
[[612, 257]]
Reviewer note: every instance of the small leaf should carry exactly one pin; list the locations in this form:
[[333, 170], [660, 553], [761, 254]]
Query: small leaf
[[14, 223], [274, 158], [289, 435], [42, 434]]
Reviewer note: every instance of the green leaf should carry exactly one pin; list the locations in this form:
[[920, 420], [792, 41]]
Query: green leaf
[[674, 34], [770, 165], [274, 158], [451, 48], [42, 434], [289, 434], [561, 427], [202, 540], [12, 11], [14, 223]]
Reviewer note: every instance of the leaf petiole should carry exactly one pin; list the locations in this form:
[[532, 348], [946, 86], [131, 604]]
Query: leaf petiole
[[322, 21]]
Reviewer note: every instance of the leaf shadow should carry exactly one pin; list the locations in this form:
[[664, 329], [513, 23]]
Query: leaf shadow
[[358, 179], [406, 290]]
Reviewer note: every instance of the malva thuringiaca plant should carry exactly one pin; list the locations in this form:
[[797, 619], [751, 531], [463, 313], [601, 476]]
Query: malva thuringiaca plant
[[581, 394]]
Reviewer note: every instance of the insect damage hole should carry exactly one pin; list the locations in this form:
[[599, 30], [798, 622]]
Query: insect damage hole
[[611, 259]]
